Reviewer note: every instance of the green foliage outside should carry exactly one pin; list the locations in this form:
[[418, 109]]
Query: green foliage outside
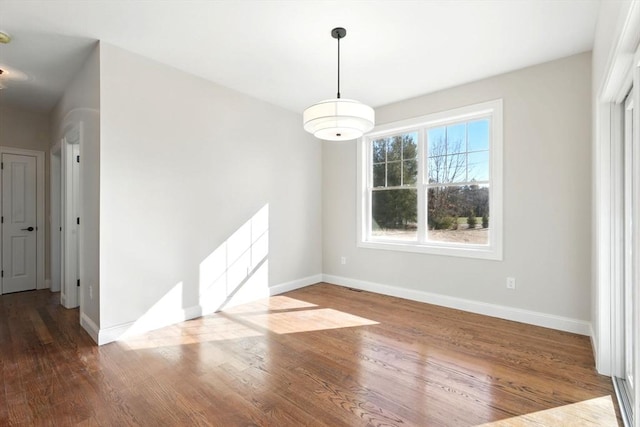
[[485, 221], [447, 203], [395, 166], [471, 219], [395, 209], [442, 223], [456, 223]]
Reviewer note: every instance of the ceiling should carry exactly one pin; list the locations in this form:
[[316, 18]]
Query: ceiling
[[282, 51]]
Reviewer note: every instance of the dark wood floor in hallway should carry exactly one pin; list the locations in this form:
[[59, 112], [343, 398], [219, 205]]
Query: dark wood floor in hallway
[[319, 356]]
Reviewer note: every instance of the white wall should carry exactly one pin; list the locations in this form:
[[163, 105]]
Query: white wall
[[81, 103], [29, 130], [26, 129], [184, 164], [547, 202]]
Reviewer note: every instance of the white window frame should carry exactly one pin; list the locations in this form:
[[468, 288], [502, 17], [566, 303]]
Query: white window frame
[[492, 251]]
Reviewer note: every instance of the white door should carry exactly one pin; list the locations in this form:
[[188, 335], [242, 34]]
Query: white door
[[19, 223]]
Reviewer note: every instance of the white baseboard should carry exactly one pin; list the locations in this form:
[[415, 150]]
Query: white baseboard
[[295, 284], [594, 344], [114, 333], [503, 312], [603, 360], [47, 283], [127, 330], [107, 335], [90, 326]]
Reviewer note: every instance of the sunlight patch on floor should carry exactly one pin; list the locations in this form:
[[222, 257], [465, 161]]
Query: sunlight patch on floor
[[594, 412], [279, 302], [307, 320], [190, 332], [278, 314]]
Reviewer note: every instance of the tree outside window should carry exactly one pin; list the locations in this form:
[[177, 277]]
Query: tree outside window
[[394, 195]]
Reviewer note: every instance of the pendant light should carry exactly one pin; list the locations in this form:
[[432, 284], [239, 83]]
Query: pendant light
[[338, 119]]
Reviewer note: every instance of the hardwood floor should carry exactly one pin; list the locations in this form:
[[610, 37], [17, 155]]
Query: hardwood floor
[[319, 356]]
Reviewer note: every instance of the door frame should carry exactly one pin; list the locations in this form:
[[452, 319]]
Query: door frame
[[635, 240], [616, 80], [40, 205], [71, 254], [66, 249], [622, 74], [55, 198]]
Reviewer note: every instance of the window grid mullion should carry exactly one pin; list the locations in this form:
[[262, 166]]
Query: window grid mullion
[[386, 163], [422, 199], [466, 151], [401, 163], [369, 197], [457, 184]]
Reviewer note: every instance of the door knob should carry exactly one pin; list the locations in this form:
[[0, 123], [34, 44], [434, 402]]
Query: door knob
[[27, 229]]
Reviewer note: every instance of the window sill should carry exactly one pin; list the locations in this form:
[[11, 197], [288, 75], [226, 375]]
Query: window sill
[[472, 251]]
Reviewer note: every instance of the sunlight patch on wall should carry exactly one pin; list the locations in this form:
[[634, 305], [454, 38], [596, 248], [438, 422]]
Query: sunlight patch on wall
[[237, 271], [166, 311]]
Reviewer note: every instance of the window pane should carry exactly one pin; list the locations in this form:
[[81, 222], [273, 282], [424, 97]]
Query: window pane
[[456, 138], [394, 160], [478, 135], [394, 174], [459, 214], [394, 214], [394, 148], [445, 169], [409, 172], [436, 142], [379, 147], [479, 166], [378, 175]]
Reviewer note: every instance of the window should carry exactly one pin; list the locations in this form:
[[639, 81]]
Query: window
[[433, 184]]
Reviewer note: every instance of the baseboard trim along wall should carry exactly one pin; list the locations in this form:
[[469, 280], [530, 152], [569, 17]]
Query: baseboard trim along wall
[[89, 326], [114, 333], [107, 335], [295, 284], [594, 342], [503, 312]]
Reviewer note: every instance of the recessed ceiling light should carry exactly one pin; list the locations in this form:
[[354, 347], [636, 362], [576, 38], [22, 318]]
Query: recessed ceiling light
[[4, 37]]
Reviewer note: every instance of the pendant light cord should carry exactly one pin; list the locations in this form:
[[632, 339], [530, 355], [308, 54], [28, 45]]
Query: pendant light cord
[[339, 66]]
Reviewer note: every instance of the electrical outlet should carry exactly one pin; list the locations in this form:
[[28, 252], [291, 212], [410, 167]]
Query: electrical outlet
[[90, 292], [343, 260], [511, 282]]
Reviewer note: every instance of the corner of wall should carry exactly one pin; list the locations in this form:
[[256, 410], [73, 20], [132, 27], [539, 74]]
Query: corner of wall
[[90, 326]]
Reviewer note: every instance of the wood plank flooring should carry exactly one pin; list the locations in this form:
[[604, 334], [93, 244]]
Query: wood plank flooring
[[319, 356]]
